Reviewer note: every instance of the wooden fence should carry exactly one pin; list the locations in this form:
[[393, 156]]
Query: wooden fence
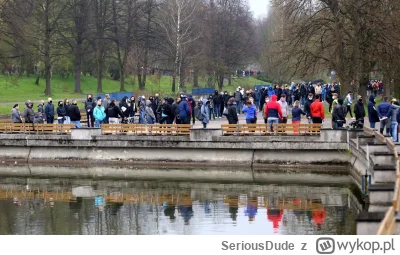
[[30, 128], [140, 129], [265, 129]]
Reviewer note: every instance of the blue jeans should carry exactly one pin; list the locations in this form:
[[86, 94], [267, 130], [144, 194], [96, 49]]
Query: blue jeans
[[372, 125], [141, 118], [50, 120], [98, 123], [60, 121], [395, 126], [76, 123], [272, 121], [217, 110], [238, 106]]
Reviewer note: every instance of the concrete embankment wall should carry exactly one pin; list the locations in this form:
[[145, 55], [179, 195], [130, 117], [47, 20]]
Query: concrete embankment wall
[[327, 148]]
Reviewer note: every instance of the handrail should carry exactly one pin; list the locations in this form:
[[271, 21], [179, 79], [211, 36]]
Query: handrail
[[388, 224]]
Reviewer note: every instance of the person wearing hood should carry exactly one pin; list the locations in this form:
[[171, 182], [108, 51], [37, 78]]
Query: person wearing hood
[[61, 112], [339, 114], [359, 110], [192, 105], [205, 113], [89, 106], [29, 114], [395, 124], [15, 114], [160, 113], [184, 110], [251, 112], [373, 115], [150, 117], [226, 99], [385, 113], [99, 114], [113, 113], [49, 111], [285, 108], [273, 112], [232, 113]]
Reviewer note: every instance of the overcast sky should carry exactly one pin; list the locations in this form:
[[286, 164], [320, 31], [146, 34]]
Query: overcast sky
[[259, 7]]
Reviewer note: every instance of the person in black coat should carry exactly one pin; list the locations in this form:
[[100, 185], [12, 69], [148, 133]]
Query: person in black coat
[[373, 115], [359, 110], [232, 113]]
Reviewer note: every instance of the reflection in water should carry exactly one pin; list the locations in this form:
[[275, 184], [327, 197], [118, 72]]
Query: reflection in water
[[138, 207]]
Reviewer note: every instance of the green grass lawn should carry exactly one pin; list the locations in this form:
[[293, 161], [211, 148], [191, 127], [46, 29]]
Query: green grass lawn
[[15, 89]]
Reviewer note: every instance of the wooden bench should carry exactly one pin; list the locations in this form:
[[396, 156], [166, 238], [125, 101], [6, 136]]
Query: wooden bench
[[265, 129], [29, 128], [140, 129], [5, 121], [297, 129]]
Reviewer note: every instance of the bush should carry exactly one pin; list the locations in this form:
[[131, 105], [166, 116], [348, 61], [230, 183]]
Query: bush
[[264, 79]]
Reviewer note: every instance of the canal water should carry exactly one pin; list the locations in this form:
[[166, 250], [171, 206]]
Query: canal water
[[93, 207]]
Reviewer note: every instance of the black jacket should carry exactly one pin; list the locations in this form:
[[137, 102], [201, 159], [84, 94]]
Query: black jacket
[[61, 112], [359, 110], [232, 114], [113, 111], [74, 113]]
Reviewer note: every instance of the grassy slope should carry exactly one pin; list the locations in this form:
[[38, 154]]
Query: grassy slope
[[14, 89]]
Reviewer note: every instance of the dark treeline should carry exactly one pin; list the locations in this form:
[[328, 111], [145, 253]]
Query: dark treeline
[[125, 38]]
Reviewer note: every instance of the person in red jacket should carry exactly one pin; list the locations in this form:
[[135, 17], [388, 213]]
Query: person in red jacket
[[273, 112], [317, 110]]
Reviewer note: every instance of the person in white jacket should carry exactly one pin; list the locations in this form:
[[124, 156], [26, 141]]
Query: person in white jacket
[[285, 108]]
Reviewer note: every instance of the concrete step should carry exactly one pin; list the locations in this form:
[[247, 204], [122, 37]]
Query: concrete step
[[384, 174], [381, 194], [368, 223], [364, 139], [382, 158], [372, 148]]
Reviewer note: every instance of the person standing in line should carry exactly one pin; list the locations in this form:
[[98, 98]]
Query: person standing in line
[[99, 114], [75, 114], [266, 101], [184, 110], [384, 112], [317, 110], [89, 106], [106, 102], [232, 113], [204, 113], [61, 112], [395, 124], [15, 114], [373, 115], [238, 99], [359, 110], [296, 115], [348, 102], [49, 111], [285, 109], [273, 112], [66, 106], [41, 108], [307, 107], [339, 114]]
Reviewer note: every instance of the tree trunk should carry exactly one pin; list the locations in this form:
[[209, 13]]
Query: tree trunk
[[139, 75], [221, 82], [47, 59], [230, 80], [99, 72], [173, 83], [78, 67], [196, 78]]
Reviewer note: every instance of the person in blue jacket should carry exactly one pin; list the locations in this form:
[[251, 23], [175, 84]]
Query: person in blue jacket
[[184, 110], [251, 112], [373, 115]]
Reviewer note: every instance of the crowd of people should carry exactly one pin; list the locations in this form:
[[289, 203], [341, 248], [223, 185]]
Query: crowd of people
[[276, 103]]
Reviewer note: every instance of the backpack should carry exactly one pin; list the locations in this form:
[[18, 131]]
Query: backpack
[[346, 102]]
